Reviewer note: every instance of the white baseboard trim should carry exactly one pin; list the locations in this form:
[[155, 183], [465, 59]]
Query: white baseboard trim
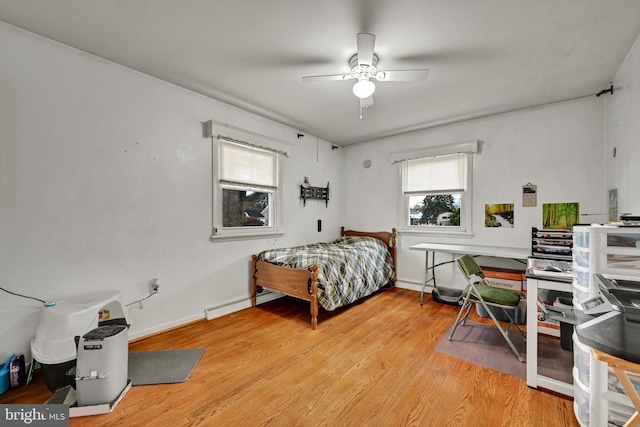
[[165, 326], [222, 310], [208, 314], [264, 297], [267, 296], [413, 285]]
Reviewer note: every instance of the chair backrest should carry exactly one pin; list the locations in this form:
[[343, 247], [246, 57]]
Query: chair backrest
[[469, 267]]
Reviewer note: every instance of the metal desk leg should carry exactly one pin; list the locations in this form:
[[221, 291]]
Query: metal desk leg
[[426, 273]]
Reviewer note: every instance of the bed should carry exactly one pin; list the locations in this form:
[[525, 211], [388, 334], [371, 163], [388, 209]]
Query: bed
[[330, 275]]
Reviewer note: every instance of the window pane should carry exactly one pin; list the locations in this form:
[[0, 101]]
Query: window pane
[[245, 208], [435, 210]]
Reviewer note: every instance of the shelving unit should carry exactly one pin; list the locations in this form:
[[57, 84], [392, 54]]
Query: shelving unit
[[548, 245], [614, 252], [534, 379]]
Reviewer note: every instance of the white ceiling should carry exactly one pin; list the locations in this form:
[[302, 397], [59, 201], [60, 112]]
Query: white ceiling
[[484, 56]]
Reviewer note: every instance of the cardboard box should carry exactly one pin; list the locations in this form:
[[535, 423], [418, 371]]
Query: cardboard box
[[548, 326], [505, 278]]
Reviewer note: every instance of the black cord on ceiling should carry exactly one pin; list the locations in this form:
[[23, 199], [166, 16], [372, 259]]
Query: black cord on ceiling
[[602, 92]]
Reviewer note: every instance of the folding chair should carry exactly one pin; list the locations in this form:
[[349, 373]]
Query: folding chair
[[479, 292]]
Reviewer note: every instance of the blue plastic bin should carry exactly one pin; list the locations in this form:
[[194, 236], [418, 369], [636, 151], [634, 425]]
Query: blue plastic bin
[[5, 382]]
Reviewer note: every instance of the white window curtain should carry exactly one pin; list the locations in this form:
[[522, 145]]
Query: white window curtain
[[243, 164], [436, 174]]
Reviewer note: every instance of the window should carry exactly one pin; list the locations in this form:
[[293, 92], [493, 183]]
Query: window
[[436, 189], [246, 198]]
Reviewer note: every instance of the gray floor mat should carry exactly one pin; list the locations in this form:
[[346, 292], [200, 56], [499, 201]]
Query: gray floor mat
[[163, 367]]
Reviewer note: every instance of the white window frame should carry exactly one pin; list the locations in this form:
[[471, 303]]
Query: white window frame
[[218, 231], [466, 198]]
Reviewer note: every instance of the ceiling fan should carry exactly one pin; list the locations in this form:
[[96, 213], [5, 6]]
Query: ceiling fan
[[364, 66]]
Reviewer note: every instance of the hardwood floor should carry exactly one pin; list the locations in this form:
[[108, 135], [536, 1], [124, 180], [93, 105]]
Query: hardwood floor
[[370, 364]]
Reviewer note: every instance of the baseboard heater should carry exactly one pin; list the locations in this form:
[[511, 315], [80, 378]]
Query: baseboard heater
[[232, 307]]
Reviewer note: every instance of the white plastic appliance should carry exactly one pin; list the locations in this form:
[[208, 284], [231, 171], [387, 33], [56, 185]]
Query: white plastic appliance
[[54, 345], [102, 365]]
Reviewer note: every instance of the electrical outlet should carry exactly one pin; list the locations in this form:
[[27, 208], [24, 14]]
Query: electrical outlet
[[155, 285]]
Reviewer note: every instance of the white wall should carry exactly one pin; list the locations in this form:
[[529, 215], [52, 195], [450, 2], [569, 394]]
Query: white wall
[[105, 183], [623, 133], [558, 147]]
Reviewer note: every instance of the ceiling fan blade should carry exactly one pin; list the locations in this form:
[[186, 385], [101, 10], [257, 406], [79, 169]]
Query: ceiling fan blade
[[403, 75], [325, 78], [366, 43]]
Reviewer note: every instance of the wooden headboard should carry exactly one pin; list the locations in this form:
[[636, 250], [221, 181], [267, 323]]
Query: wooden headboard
[[388, 238]]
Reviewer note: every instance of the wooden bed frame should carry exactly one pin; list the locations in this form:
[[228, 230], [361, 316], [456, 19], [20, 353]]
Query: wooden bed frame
[[301, 283]]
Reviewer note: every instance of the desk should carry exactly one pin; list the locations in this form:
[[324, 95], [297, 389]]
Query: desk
[[492, 251]]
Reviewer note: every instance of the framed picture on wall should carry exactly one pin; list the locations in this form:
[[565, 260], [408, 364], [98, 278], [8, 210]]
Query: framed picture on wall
[[498, 215], [560, 216], [529, 198]]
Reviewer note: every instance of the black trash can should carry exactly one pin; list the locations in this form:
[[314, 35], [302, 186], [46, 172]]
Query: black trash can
[[566, 329]]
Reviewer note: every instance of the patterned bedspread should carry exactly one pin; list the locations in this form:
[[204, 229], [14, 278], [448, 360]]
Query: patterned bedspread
[[349, 268]]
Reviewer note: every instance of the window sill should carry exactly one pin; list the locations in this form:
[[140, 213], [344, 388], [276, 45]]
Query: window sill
[[437, 233], [244, 236]]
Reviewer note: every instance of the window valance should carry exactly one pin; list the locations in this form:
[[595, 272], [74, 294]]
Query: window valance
[[438, 150], [240, 136]]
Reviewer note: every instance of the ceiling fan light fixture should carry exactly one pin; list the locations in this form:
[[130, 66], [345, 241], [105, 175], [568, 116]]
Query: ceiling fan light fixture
[[364, 88]]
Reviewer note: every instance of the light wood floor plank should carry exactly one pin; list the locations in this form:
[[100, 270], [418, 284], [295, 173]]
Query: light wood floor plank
[[370, 364]]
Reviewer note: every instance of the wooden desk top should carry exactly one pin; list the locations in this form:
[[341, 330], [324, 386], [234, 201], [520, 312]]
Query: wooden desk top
[[616, 361]]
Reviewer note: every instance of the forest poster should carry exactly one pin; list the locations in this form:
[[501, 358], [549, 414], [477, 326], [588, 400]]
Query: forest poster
[[560, 216], [498, 215]]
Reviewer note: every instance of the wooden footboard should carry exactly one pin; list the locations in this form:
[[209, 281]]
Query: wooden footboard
[[296, 282], [301, 283]]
